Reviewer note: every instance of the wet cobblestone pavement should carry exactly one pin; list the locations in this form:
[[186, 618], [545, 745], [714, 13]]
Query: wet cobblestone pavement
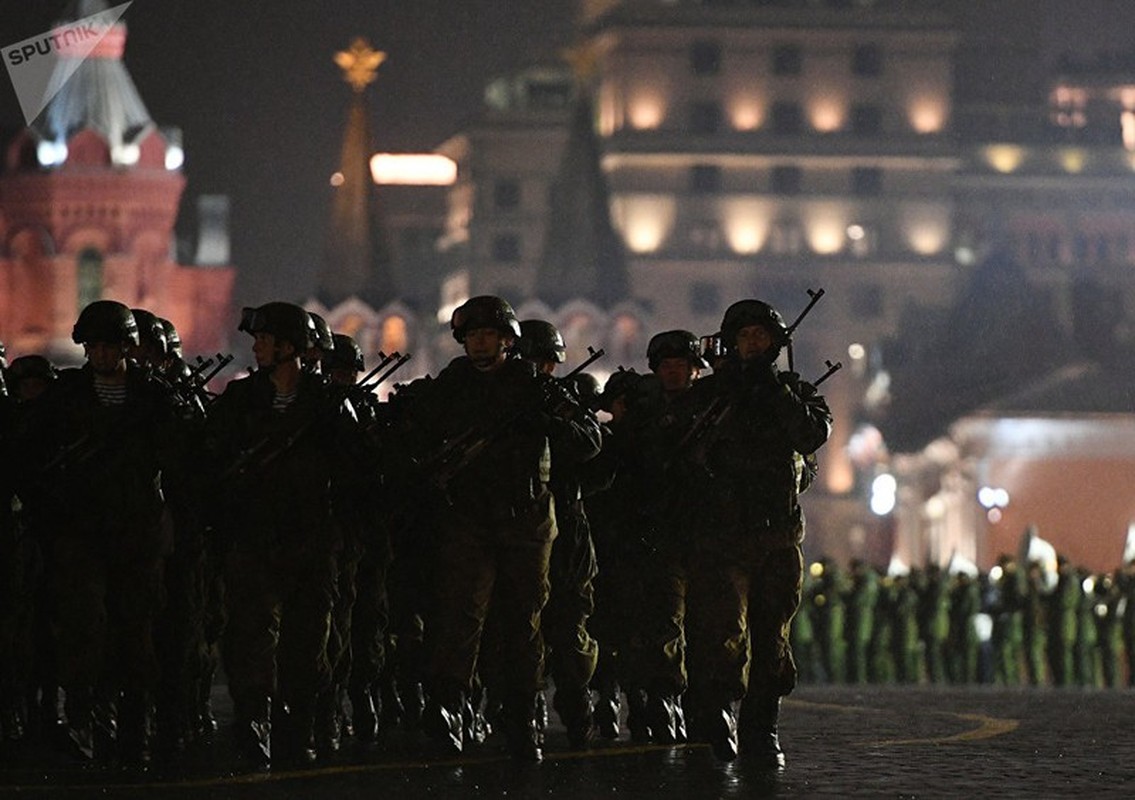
[[840, 742]]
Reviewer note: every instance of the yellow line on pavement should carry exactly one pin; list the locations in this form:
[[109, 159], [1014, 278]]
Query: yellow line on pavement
[[275, 776], [988, 727]]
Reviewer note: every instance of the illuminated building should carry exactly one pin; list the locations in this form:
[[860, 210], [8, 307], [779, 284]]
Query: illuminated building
[[88, 198], [763, 148]]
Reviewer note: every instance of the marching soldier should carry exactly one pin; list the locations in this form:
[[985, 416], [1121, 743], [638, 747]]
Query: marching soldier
[[104, 435], [573, 652], [276, 436], [483, 428], [747, 563]]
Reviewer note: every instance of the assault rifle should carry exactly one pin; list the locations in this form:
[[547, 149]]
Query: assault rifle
[[701, 431], [456, 454], [274, 445]]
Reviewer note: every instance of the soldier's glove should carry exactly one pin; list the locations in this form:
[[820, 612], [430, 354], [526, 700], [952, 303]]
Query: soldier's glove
[[559, 402]]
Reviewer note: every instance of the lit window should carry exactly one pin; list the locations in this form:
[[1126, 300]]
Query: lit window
[[393, 334]]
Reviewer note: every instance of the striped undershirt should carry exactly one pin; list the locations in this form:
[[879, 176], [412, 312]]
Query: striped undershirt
[[281, 401], [110, 394]]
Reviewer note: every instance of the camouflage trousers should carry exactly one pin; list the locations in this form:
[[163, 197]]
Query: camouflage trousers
[[503, 563], [278, 602], [743, 594], [573, 653]]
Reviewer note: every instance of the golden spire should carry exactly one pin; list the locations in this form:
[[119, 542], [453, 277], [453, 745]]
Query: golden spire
[[360, 63]]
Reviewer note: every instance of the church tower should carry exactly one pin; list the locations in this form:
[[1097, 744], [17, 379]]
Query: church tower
[[88, 199]]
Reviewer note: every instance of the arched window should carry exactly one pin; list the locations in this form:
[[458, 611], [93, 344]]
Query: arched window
[[89, 277], [394, 337]]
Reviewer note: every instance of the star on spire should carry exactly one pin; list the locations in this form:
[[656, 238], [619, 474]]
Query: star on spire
[[360, 63]]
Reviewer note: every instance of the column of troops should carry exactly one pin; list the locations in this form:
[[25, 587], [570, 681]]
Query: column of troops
[[1019, 624], [440, 562]]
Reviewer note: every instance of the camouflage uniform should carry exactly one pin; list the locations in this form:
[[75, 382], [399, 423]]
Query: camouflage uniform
[[746, 563]]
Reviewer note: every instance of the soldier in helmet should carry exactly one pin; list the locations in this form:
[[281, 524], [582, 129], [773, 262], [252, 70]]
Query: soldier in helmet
[[617, 586], [746, 563], [657, 655], [276, 436], [322, 343], [103, 437], [496, 518], [573, 652]]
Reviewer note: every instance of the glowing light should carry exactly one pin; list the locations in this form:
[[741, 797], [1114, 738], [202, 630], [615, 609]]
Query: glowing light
[[827, 115], [337, 179], [51, 154], [993, 515], [413, 169], [856, 233], [995, 573], [965, 255], [175, 157], [856, 351], [125, 154], [935, 507], [927, 228], [816, 569], [746, 115], [645, 221], [826, 228], [746, 225], [927, 115], [1089, 585], [646, 112], [1004, 158], [992, 497], [1073, 161], [884, 490], [1127, 124]]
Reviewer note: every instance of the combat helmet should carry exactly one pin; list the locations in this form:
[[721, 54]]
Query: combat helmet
[[484, 311], [744, 313], [105, 321], [674, 344], [322, 338], [286, 321], [346, 354], [150, 329], [541, 340], [173, 339]]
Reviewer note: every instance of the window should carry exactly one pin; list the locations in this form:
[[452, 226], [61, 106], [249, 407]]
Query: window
[[867, 61], [705, 58], [705, 298], [705, 179], [705, 117], [786, 180], [787, 59], [506, 248], [787, 118], [506, 195], [89, 277], [866, 120], [866, 181]]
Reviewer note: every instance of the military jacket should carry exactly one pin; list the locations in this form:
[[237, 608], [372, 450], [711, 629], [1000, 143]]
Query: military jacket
[[744, 467], [511, 415]]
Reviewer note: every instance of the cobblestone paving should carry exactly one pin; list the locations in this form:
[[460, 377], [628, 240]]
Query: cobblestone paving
[[841, 742]]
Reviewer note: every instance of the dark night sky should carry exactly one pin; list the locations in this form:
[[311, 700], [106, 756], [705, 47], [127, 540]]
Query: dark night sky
[[262, 106]]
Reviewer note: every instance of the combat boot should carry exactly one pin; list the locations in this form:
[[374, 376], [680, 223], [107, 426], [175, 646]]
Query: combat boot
[[328, 723], [719, 727], [759, 738], [444, 719], [134, 724], [573, 705], [293, 741], [252, 730], [606, 715], [364, 717], [522, 734], [636, 716], [80, 714], [664, 718]]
